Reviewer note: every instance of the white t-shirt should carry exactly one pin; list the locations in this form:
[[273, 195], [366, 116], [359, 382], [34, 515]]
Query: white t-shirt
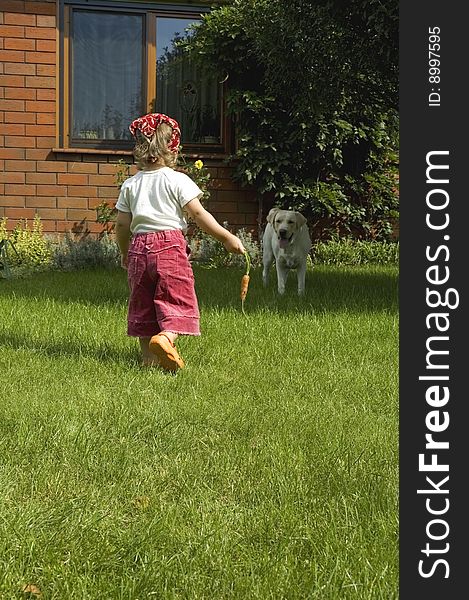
[[156, 199]]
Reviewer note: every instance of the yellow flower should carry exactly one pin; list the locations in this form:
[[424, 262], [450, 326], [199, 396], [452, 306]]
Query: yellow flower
[[198, 164]]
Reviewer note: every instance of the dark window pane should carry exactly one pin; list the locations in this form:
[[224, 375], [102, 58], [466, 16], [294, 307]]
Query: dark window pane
[[182, 91], [107, 74]]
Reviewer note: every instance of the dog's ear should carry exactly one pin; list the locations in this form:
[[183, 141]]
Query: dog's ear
[[300, 220], [271, 215]]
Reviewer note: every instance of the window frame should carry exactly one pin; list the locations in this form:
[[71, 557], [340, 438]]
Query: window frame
[[150, 12]]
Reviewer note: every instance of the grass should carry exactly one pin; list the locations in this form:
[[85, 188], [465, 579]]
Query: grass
[[267, 469]]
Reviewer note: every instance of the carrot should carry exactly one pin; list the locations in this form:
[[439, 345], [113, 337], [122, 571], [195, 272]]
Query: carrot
[[245, 281], [244, 286]]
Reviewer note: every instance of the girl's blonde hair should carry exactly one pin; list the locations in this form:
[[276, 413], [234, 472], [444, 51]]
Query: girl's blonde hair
[[148, 150]]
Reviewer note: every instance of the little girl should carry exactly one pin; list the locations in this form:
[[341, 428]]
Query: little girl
[[149, 231]]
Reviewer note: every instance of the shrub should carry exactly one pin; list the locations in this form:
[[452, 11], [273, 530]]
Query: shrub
[[355, 252], [29, 251], [87, 253], [209, 252], [315, 108]]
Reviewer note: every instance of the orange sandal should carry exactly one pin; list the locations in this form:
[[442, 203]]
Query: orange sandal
[[166, 352]]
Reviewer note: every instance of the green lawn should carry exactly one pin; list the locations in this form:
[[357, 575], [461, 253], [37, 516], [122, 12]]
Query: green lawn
[[267, 469]]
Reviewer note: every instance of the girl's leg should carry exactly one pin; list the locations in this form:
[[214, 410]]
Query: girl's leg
[[150, 359]]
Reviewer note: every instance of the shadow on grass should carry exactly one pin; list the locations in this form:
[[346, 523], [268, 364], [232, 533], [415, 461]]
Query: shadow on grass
[[57, 349], [328, 289]]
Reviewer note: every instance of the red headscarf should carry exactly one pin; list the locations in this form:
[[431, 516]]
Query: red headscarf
[[148, 124]]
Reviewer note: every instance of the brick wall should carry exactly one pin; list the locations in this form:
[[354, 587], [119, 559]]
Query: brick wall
[[64, 188]]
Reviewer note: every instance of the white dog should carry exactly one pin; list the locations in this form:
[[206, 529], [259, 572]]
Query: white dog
[[286, 239]]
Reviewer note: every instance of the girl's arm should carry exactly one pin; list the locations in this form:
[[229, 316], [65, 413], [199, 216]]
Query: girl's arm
[[207, 222], [123, 234]]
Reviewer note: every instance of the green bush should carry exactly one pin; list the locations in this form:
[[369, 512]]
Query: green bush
[[209, 252], [355, 252], [87, 253], [314, 107], [29, 251]]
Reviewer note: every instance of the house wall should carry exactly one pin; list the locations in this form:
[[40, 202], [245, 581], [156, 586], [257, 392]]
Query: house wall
[[64, 187]]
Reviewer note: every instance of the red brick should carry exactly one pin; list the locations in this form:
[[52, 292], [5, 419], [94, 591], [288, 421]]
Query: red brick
[[46, 70], [45, 142], [79, 167], [43, 178], [18, 19], [81, 190], [46, 45], [13, 141], [223, 207], [48, 166], [72, 179], [40, 8], [38, 153], [19, 44], [108, 169], [11, 129], [65, 226], [248, 208], [45, 94], [76, 214], [103, 180], [49, 226], [40, 107], [19, 117], [225, 172], [20, 69], [224, 184], [40, 82], [14, 56], [12, 177], [20, 94], [96, 158], [108, 192], [40, 33], [40, 57], [46, 119], [20, 190], [20, 165], [14, 6], [45, 21], [16, 201], [51, 190], [40, 130], [12, 153], [51, 213], [12, 105], [72, 203], [94, 202], [11, 31], [41, 202], [231, 218]]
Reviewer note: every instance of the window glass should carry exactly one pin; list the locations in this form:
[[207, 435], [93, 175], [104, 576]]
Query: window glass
[[182, 91], [107, 84]]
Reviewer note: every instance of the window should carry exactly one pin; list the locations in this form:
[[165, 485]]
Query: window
[[121, 61]]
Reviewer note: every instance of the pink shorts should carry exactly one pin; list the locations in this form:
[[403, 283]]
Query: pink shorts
[[162, 293]]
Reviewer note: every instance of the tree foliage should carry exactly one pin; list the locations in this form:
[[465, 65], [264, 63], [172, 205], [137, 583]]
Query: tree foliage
[[312, 87]]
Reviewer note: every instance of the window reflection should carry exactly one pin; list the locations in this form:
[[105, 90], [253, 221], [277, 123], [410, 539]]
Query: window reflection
[[107, 74], [182, 91]]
